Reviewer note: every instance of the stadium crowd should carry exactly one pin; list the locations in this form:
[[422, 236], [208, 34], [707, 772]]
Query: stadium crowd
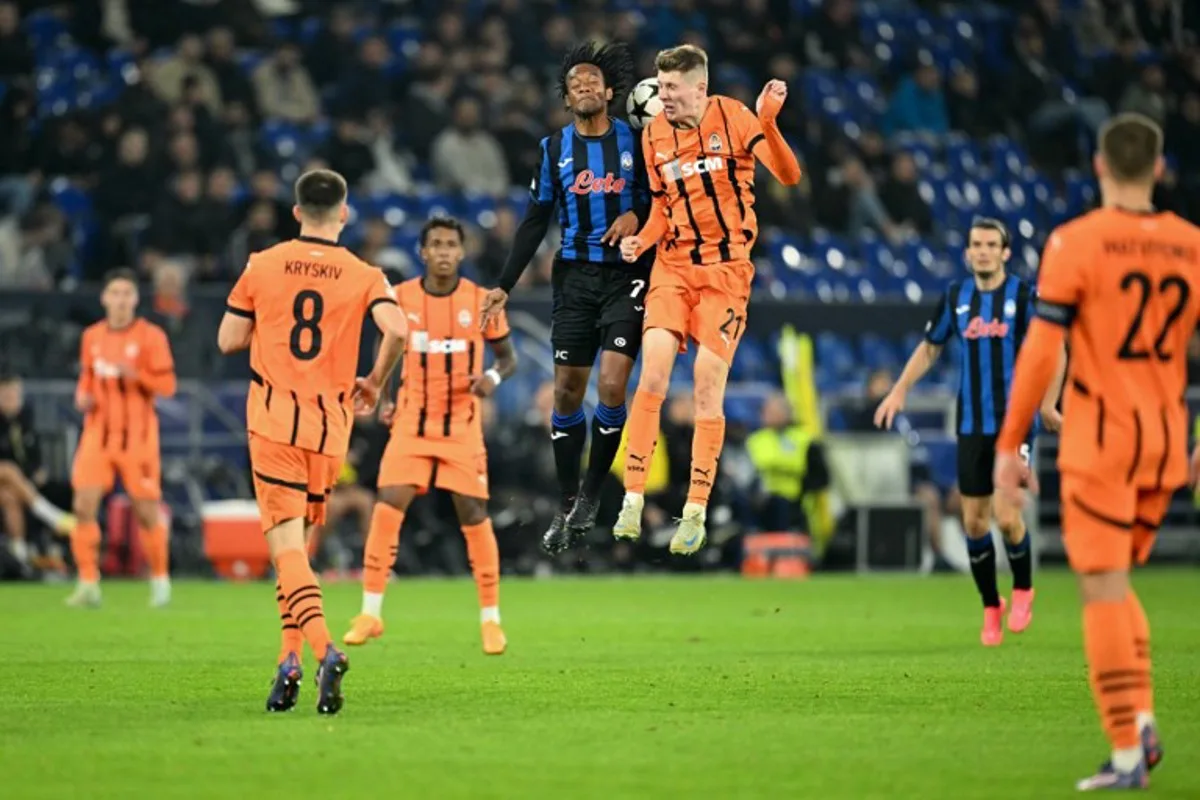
[[164, 134]]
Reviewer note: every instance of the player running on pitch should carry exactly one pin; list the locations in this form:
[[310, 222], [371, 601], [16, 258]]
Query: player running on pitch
[[299, 306], [437, 431], [990, 313], [1121, 284], [125, 364], [700, 155], [593, 172]]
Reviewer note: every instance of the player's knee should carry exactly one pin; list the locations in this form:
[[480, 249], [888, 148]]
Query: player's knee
[[976, 526], [568, 396], [1104, 586], [611, 388], [395, 496], [470, 510], [1012, 527], [85, 508], [147, 513]]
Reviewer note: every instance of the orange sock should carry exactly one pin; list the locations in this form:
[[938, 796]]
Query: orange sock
[[382, 544], [643, 435], [293, 639], [302, 595], [156, 543], [1141, 646], [707, 443], [85, 549], [1114, 671], [484, 556]]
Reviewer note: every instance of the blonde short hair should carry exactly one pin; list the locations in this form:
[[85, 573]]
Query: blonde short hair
[[685, 58]]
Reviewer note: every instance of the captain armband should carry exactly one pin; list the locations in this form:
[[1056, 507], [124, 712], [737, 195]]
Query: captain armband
[[1054, 313]]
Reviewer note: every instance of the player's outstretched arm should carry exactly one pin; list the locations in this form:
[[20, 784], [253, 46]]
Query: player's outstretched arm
[[392, 332], [919, 363], [772, 149], [1032, 378], [235, 332]]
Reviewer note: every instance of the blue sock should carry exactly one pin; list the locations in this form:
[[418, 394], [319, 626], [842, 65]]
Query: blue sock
[[607, 424], [1021, 560], [568, 434]]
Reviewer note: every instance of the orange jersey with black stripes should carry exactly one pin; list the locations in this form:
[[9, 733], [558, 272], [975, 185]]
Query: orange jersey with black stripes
[[1127, 285], [444, 351], [308, 299], [706, 176], [122, 371]]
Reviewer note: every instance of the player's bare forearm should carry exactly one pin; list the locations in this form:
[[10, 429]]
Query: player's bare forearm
[[235, 333], [919, 363], [505, 357], [1056, 385], [776, 155], [1036, 364]]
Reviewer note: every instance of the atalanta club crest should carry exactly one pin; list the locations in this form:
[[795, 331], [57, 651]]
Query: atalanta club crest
[[627, 160], [714, 143]]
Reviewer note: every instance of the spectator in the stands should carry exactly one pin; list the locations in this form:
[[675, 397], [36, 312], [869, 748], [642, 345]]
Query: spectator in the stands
[[183, 68], [332, 51], [969, 112], [284, 89], [347, 151], [902, 199], [265, 187], [1161, 22], [16, 57], [1183, 133], [220, 220], [1113, 73], [180, 228], [35, 250], [71, 151], [235, 86], [850, 202], [835, 39], [19, 174], [377, 250], [365, 84], [1147, 95], [918, 105], [257, 232], [466, 157]]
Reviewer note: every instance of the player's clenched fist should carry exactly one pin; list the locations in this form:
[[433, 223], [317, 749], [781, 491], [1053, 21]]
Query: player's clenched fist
[[770, 100], [630, 246], [366, 395], [493, 303]]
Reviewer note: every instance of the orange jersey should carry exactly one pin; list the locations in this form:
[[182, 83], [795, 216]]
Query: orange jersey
[[122, 371], [445, 349], [308, 299], [1128, 286], [706, 177]]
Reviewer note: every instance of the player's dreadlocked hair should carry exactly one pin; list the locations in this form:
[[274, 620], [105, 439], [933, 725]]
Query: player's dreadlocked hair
[[614, 60]]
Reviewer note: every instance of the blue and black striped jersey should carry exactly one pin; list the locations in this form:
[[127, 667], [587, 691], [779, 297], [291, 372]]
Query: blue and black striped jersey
[[992, 325]]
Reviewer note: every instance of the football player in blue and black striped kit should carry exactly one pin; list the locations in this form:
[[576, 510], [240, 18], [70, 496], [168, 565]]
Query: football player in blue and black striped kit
[[593, 173], [990, 313]]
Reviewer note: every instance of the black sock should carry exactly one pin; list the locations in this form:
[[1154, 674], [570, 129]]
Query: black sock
[[983, 568], [568, 434], [607, 424], [1021, 560]]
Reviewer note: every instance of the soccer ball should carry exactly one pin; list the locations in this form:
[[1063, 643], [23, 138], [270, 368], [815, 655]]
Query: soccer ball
[[643, 104]]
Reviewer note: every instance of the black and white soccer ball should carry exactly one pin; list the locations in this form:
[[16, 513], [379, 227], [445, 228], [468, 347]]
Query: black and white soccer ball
[[643, 104]]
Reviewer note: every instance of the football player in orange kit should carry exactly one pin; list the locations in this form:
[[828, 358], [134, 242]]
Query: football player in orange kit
[[125, 363], [1121, 285], [700, 157], [300, 306], [437, 435]]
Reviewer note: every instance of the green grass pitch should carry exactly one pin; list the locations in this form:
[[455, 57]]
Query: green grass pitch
[[659, 687]]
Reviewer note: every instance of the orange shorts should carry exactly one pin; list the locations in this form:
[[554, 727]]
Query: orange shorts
[[291, 482], [457, 468], [1109, 527], [140, 469], [704, 303]]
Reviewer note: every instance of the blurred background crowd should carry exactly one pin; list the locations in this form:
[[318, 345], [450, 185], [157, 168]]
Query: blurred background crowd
[[164, 135]]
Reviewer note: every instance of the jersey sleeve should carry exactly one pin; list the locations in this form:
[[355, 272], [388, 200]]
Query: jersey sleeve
[[1060, 282], [653, 179], [641, 186], [541, 188], [158, 371], [241, 296], [84, 386], [744, 126], [379, 290], [940, 326]]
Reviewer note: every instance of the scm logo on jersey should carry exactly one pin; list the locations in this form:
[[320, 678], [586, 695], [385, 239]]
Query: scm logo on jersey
[[421, 343], [676, 170]]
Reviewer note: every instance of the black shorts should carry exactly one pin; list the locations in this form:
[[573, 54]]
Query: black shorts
[[977, 461], [596, 307]]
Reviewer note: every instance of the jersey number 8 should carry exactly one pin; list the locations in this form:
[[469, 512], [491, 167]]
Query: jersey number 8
[[307, 310]]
